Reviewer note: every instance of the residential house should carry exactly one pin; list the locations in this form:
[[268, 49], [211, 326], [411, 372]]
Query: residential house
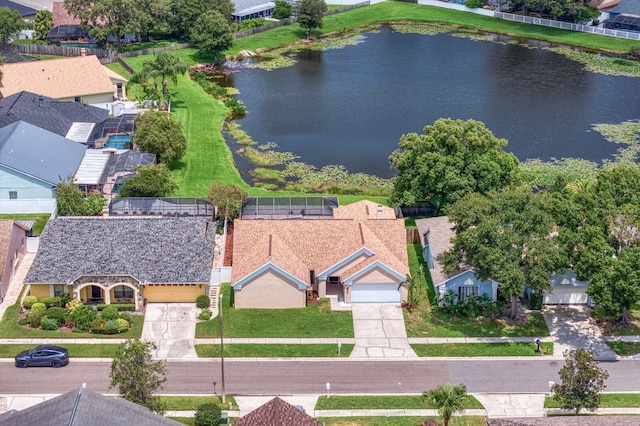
[[83, 407], [566, 289], [435, 237], [624, 16], [68, 30], [33, 160], [277, 413], [124, 260], [82, 79], [13, 246], [62, 118], [359, 254], [251, 9]]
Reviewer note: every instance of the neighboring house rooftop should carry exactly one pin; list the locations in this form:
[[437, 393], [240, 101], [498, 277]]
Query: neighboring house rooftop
[[627, 7], [277, 413], [61, 16], [58, 78], [39, 153], [298, 245], [47, 113], [100, 164], [21, 9], [437, 232], [247, 7], [153, 250], [84, 407], [10, 56]]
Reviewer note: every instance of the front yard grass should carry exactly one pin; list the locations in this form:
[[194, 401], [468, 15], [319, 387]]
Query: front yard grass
[[624, 348], [191, 402], [76, 350], [400, 421], [382, 402], [40, 218], [10, 329], [250, 350], [316, 320], [481, 349], [611, 327], [607, 400]]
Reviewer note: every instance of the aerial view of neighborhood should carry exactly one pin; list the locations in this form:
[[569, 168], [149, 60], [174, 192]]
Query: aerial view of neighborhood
[[314, 212]]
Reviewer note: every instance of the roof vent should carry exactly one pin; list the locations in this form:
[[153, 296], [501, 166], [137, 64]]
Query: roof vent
[[379, 211], [41, 101]]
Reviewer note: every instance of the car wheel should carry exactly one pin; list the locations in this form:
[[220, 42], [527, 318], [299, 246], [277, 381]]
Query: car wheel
[[23, 364], [56, 364]]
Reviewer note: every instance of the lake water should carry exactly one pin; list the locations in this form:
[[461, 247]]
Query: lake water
[[350, 106]]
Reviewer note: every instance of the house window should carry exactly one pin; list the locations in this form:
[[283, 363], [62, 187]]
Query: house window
[[77, 99], [466, 291], [58, 289], [123, 292], [333, 280], [119, 90], [13, 195]]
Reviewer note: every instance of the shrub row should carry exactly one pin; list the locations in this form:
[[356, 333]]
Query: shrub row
[[120, 306]]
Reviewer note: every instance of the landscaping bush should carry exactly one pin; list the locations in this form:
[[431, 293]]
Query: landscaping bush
[[205, 315], [119, 306], [123, 325], [82, 316], [110, 327], [472, 307], [34, 318], [64, 299], [57, 313], [97, 325], [126, 316], [110, 313], [38, 307], [535, 301], [29, 301], [207, 414], [203, 301], [55, 301], [47, 301], [49, 323], [23, 321], [73, 304], [473, 4]]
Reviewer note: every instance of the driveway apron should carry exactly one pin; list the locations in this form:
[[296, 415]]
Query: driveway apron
[[172, 327], [572, 327], [379, 331]]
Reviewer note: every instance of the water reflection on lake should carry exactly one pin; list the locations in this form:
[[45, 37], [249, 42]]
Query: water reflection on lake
[[350, 106]]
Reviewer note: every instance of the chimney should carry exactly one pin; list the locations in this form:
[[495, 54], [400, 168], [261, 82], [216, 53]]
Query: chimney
[[379, 212], [41, 101], [83, 51]]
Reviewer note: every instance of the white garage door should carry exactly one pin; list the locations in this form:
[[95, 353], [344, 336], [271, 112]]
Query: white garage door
[[569, 295], [375, 293]]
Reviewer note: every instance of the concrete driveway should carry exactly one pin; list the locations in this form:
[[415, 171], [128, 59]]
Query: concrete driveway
[[379, 331], [172, 326], [572, 327]]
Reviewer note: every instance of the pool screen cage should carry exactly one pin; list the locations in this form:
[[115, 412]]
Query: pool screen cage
[[134, 206], [288, 207], [123, 124]]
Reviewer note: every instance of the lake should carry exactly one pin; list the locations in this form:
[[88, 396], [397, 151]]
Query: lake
[[350, 106]]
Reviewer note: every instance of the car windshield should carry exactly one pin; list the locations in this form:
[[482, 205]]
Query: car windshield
[[31, 351]]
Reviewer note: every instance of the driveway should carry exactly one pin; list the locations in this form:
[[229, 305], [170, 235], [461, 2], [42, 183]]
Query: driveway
[[172, 326], [572, 327], [379, 331]]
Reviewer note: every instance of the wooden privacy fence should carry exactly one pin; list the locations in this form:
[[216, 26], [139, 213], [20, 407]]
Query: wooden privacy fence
[[40, 49], [413, 236]]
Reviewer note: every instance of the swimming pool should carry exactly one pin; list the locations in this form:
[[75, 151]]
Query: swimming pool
[[119, 141]]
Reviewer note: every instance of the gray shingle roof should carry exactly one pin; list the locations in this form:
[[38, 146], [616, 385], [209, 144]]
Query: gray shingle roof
[[83, 407], [244, 7], [629, 7], [21, 9], [153, 250], [51, 115], [39, 153]]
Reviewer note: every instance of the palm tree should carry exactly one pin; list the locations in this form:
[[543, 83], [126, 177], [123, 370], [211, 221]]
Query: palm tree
[[447, 398], [170, 66]]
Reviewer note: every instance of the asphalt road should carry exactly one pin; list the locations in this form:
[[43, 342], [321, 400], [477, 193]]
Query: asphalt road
[[310, 377]]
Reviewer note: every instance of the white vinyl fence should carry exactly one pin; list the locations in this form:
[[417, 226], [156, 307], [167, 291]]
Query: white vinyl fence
[[38, 205]]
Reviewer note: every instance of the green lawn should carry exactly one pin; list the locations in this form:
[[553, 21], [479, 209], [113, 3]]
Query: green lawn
[[40, 218], [625, 349], [313, 321], [428, 293], [76, 350], [607, 400], [400, 421], [251, 350], [481, 349], [382, 402], [10, 329], [191, 402]]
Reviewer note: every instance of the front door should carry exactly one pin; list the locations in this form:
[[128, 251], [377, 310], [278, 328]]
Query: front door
[[96, 292]]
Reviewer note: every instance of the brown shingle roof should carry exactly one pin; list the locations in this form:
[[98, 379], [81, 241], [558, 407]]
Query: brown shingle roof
[[61, 16], [364, 209], [57, 78], [297, 245], [277, 413]]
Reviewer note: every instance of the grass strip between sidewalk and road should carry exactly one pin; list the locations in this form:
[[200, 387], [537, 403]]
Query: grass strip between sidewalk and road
[[625, 348], [191, 402], [481, 349], [383, 402], [607, 400], [400, 421], [76, 350], [251, 350]]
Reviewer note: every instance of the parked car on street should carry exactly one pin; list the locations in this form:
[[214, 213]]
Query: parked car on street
[[43, 356]]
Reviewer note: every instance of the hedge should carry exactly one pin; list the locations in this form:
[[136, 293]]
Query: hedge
[[120, 306]]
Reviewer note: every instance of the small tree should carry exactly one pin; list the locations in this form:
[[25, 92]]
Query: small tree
[[69, 198], [10, 23], [159, 134], [137, 376], [582, 381], [228, 198], [211, 33], [153, 180], [310, 14], [42, 24], [447, 399], [207, 414], [282, 10]]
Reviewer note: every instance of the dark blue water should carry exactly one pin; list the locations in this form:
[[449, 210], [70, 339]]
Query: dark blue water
[[350, 106]]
